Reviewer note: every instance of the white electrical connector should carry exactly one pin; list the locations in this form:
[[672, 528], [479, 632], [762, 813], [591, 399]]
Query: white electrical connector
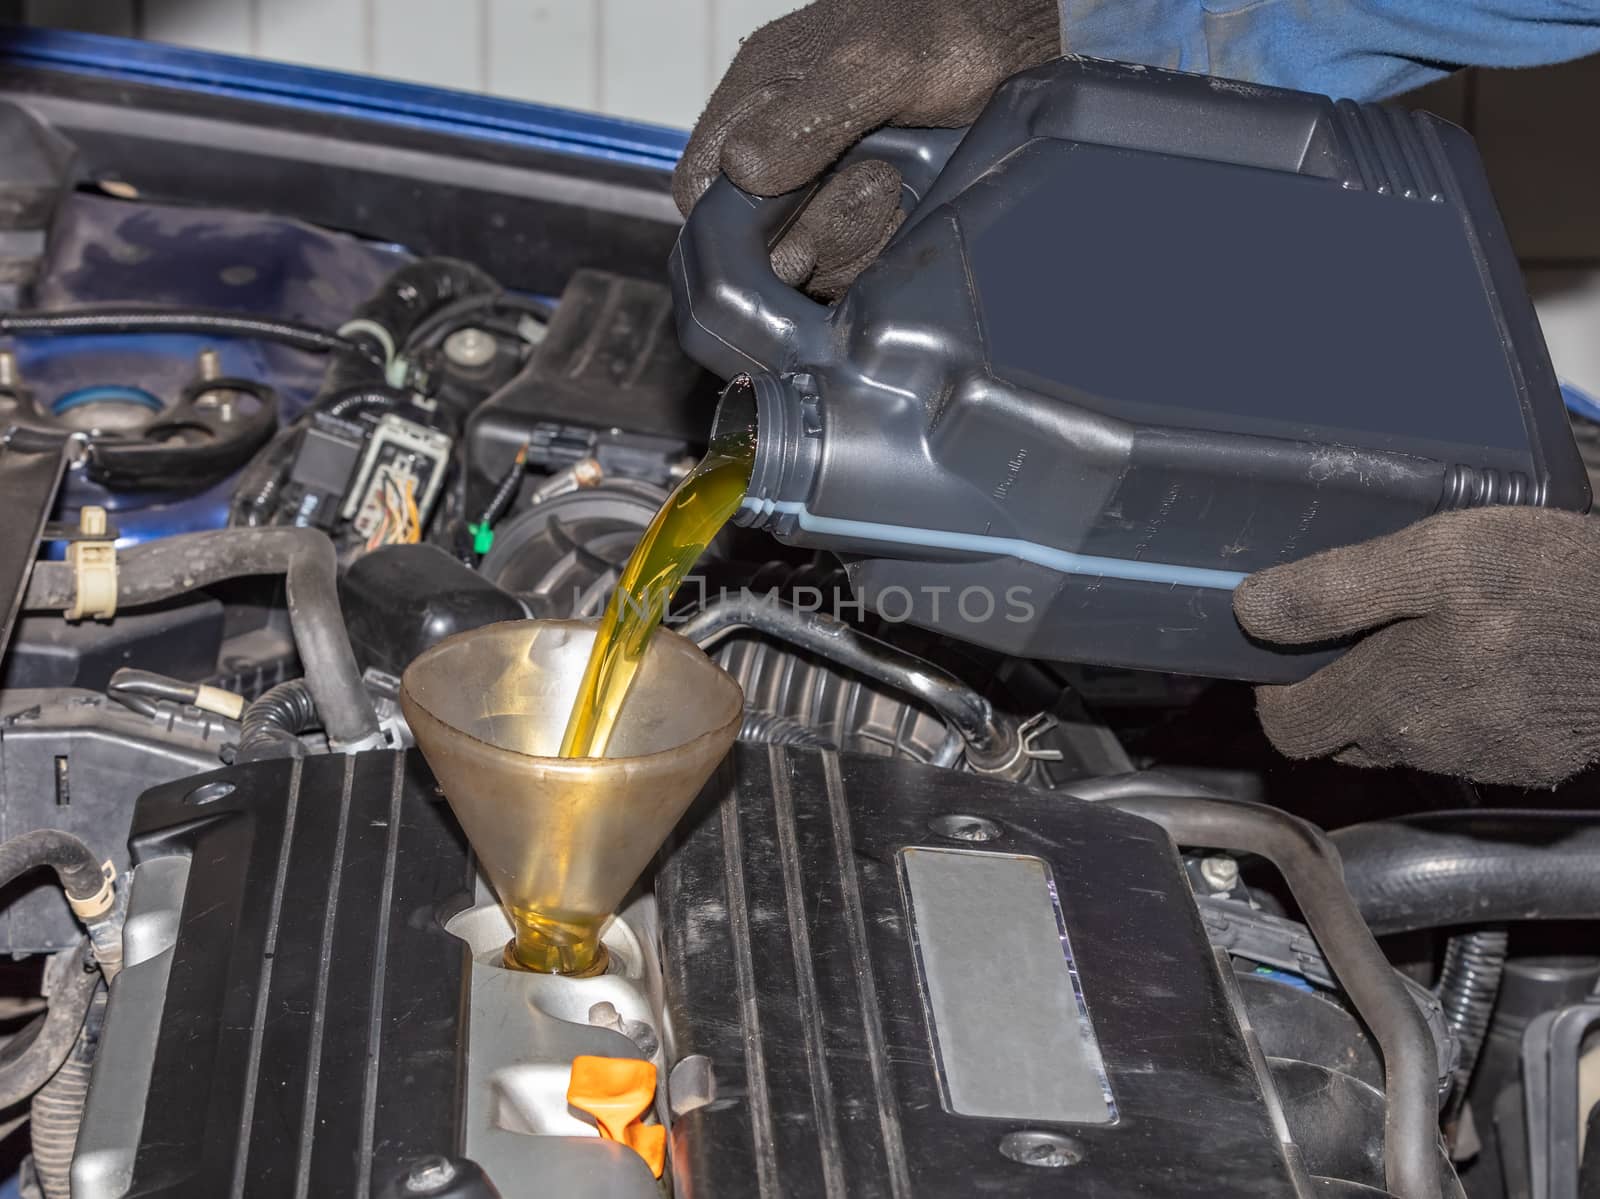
[[398, 452]]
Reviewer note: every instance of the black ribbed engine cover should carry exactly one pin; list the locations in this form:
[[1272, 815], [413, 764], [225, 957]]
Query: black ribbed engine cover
[[865, 1040], [302, 1032], [881, 979]]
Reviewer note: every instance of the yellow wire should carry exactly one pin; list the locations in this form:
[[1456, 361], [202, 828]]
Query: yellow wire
[[402, 519], [415, 533]]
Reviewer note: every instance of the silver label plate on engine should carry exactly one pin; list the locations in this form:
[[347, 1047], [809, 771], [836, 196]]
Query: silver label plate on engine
[[1010, 1027]]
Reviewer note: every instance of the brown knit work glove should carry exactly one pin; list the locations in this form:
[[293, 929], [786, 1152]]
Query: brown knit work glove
[[806, 87], [1481, 657]]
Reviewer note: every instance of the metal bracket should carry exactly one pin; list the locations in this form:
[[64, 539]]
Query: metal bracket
[[31, 463]]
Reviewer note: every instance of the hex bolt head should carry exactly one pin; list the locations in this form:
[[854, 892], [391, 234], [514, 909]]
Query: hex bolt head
[[965, 828], [1220, 872], [1036, 1147], [430, 1174], [470, 347]]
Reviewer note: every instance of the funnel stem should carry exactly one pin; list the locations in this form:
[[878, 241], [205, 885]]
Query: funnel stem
[[548, 946]]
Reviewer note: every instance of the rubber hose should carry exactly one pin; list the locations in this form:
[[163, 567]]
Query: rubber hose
[[1473, 868], [772, 729], [1310, 865], [401, 303], [139, 319], [56, 1113], [178, 565], [73, 861], [154, 686], [272, 724], [1469, 982], [135, 703], [417, 290], [31, 1058]]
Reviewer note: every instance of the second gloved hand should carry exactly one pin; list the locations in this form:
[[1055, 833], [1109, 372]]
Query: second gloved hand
[[806, 87], [1482, 649]]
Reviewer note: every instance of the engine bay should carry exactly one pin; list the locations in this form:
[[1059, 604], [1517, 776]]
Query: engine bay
[[293, 394]]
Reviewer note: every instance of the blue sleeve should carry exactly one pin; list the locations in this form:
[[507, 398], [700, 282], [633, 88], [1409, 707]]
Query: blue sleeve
[[1355, 49]]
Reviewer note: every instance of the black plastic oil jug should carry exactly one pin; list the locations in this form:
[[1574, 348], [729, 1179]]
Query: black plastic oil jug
[[1141, 334]]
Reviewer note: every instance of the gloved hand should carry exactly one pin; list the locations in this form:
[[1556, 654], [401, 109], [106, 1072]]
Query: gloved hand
[[1482, 653], [806, 87]]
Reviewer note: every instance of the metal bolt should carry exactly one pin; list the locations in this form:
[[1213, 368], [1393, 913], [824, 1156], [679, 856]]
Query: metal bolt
[[219, 401], [210, 367], [430, 1174], [1049, 1150], [470, 347], [1220, 872], [965, 828]]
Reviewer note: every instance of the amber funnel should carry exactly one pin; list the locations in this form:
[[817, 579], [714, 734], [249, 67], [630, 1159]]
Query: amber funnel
[[563, 839]]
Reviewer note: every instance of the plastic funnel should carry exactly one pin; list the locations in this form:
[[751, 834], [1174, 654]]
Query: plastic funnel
[[563, 839]]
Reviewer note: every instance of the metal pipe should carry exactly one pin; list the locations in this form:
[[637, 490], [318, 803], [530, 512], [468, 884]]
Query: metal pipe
[[1310, 865], [993, 744]]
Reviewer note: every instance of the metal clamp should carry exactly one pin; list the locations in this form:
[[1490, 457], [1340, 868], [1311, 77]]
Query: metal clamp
[[100, 902], [1024, 750]]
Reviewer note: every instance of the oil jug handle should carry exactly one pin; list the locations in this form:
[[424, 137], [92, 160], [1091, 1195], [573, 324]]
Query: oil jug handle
[[734, 314]]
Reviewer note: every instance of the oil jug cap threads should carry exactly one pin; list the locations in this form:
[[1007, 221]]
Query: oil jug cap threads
[[786, 413]]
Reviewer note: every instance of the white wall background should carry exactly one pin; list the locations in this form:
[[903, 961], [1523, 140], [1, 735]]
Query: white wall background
[[652, 60]]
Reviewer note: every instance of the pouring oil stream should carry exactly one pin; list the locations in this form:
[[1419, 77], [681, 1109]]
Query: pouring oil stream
[[693, 514]]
